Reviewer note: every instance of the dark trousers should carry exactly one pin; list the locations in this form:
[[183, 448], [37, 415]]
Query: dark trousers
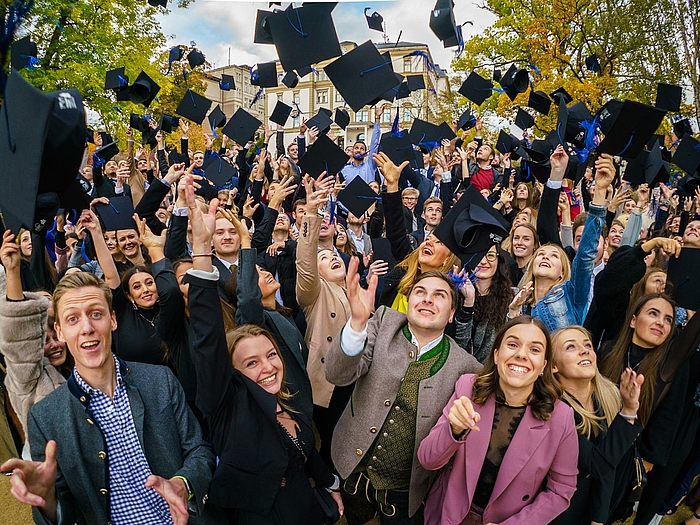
[[363, 502], [326, 419]]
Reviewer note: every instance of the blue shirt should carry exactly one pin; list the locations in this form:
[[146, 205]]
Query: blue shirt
[[130, 501], [367, 167]]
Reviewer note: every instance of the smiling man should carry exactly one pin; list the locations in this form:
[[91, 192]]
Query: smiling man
[[404, 368], [116, 443]]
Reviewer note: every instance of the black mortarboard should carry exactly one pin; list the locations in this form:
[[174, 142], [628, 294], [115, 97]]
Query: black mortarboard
[[23, 53], [194, 107], [454, 40], [524, 120], [76, 195], [323, 155], [106, 137], [403, 91], [90, 135], [656, 170], [290, 79], [241, 127], [149, 137], [218, 170], [107, 151], [374, 21], [303, 71], [608, 113], [176, 54], [342, 118], [476, 88], [177, 158], [116, 79], [226, 83], [660, 138], [669, 97], [195, 58], [575, 133], [562, 120], [281, 113], [442, 22], [398, 148], [561, 94], [143, 90], [540, 169], [42, 141], [515, 81], [207, 190], [631, 130], [687, 155], [382, 251], [507, 143], [415, 82], [446, 132], [425, 134], [123, 95], [156, 3], [682, 127], [265, 75], [137, 122], [634, 171], [467, 120], [304, 36], [593, 64], [540, 102], [471, 227], [216, 118], [683, 273], [167, 123], [320, 120], [262, 28], [357, 197], [361, 75], [117, 215]]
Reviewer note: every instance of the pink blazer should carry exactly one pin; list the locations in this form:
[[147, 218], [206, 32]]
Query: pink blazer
[[541, 451]]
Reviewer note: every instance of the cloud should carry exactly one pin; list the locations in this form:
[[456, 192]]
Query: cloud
[[220, 26]]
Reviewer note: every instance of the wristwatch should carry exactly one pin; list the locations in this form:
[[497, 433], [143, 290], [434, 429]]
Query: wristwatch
[[188, 486]]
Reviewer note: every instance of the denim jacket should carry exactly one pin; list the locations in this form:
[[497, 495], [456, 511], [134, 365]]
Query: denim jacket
[[566, 303]]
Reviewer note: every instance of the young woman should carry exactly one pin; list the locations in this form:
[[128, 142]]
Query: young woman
[[263, 441], [523, 196], [606, 421], [505, 444], [523, 241], [341, 241], [485, 305]]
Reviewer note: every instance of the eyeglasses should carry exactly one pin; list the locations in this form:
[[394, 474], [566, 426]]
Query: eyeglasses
[[491, 256]]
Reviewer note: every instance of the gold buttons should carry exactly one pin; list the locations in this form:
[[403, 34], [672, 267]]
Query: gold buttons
[[391, 421], [104, 492], [358, 452], [374, 458], [379, 447], [386, 434], [373, 430], [101, 454], [370, 467], [387, 402], [397, 408], [83, 399], [411, 355], [283, 483], [90, 421]]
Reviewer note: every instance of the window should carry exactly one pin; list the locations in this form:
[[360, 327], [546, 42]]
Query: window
[[407, 117], [297, 98], [322, 75], [238, 77], [386, 115], [361, 137], [407, 65], [297, 121], [362, 116], [322, 96], [338, 96]]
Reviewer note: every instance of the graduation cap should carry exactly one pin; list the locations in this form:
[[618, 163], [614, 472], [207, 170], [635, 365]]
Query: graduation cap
[[143, 90], [682, 127], [647, 167], [156, 3], [123, 95], [425, 134], [303, 71], [515, 81], [117, 215], [575, 133], [262, 30], [471, 227], [446, 132], [241, 127], [216, 118], [177, 158], [374, 21], [398, 148], [90, 135], [23, 53], [524, 120], [668, 97], [476, 88], [207, 190], [467, 120], [167, 123], [107, 151], [226, 83], [507, 143], [321, 120], [195, 58], [442, 23], [290, 79], [218, 170], [176, 54], [540, 102], [75, 196], [562, 121], [116, 79], [281, 113], [361, 75], [683, 273], [608, 113], [403, 91], [561, 94], [42, 140], [687, 155], [631, 130], [303, 36], [323, 155], [265, 75], [357, 197], [536, 160], [137, 122], [342, 118], [593, 64], [194, 107], [415, 82]]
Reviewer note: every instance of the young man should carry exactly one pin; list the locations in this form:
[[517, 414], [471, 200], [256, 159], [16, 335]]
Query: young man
[[483, 176], [357, 234], [362, 165], [226, 243], [432, 215], [116, 443], [404, 368]]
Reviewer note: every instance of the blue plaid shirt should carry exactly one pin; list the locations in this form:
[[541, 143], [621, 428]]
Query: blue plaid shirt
[[130, 501]]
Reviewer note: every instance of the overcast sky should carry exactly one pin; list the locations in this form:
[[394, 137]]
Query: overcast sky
[[218, 26]]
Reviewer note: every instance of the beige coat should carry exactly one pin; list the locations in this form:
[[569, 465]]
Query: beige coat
[[325, 306], [378, 372]]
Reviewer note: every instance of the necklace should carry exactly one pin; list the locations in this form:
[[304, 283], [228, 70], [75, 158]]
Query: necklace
[[152, 323], [628, 361]]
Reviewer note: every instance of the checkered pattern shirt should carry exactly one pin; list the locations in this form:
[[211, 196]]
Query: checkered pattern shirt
[[130, 501]]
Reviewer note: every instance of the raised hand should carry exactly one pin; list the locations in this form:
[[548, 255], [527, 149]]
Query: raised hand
[[559, 160], [203, 224], [519, 299], [285, 189], [467, 289], [630, 388], [148, 239], [174, 492], [391, 171], [671, 247], [184, 127], [241, 226], [378, 268], [361, 301], [10, 253], [248, 208], [88, 219], [462, 416]]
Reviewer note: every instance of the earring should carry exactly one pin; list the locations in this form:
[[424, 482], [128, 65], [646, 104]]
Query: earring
[[133, 303]]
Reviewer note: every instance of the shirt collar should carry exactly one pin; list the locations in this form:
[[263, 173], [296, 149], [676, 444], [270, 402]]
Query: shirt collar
[[428, 347], [94, 391]]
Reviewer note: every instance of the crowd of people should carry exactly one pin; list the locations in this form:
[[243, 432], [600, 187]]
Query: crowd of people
[[279, 349]]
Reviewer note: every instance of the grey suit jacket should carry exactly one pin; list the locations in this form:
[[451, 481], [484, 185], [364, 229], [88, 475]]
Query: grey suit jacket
[[168, 432], [378, 372]]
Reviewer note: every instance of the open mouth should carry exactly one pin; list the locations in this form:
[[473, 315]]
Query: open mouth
[[427, 251], [90, 345], [519, 370], [335, 265], [268, 380], [56, 355], [425, 311], [147, 297], [585, 362], [545, 264], [270, 280]]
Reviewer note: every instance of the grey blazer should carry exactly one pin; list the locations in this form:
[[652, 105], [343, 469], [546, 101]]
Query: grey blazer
[[168, 431], [378, 371]]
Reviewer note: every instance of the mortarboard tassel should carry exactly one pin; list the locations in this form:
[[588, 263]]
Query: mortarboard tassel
[[297, 110], [9, 24], [590, 128], [426, 58], [537, 71], [299, 29], [256, 97], [395, 125], [174, 52], [33, 62]]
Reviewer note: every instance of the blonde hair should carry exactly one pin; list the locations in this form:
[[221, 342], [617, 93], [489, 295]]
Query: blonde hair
[[605, 392], [77, 280], [412, 266], [565, 269]]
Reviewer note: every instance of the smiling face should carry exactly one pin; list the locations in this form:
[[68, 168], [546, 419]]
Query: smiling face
[[547, 263], [112, 244], [267, 284], [523, 242], [129, 243], [574, 355], [330, 266], [142, 290], [615, 235], [198, 159], [691, 236], [85, 325], [488, 265], [54, 349], [225, 239], [520, 359], [432, 253], [430, 305], [629, 206], [653, 324], [25, 243], [341, 237], [293, 152], [258, 360], [282, 223]]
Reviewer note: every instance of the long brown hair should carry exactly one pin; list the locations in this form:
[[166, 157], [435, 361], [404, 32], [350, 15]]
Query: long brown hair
[[545, 391], [616, 361], [492, 308], [639, 288]]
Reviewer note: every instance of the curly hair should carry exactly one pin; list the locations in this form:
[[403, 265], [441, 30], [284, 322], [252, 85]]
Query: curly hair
[[493, 307]]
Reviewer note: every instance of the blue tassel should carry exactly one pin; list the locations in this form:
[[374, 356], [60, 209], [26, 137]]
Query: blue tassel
[[224, 85], [590, 128], [297, 111], [97, 162], [118, 109], [174, 52], [9, 24], [499, 90], [537, 71], [256, 97], [426, 58], [32, 63], [84, 253], [431, 90], [185, 74], [254, 76], [395, 126]]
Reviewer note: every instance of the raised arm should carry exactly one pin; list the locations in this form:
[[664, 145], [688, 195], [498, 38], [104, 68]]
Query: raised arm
[[547, 223], [90, 222], [391, 200]]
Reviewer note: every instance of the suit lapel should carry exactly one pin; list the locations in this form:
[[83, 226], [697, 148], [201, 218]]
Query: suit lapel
[[137, 410]]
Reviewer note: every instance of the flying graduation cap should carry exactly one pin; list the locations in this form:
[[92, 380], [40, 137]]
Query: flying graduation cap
[[23, 53], [143, 90], [216, 118], [442, 23], [593, 64], [476, 88], [195, 58], [668, 97], [374, 21], [226, 83]]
